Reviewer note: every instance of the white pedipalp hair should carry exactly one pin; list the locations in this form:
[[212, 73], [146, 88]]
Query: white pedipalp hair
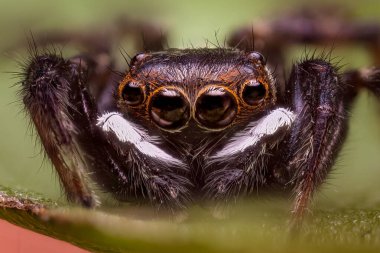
[[127, 132], [277, 119]]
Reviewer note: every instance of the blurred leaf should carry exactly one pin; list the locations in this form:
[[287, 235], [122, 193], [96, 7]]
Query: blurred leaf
[[250, 227]]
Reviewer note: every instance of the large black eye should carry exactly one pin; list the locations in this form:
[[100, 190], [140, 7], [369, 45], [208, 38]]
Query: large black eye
[[215, 108], [254, 92], [133, 93], [169, 109]]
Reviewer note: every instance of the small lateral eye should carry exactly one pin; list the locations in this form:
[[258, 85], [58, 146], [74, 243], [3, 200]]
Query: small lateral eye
[[133, 93], [254, 92], [258, 56]]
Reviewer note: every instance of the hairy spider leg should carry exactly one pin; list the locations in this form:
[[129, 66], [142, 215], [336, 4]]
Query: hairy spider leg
[[321, 99], [56, 98], [318, 98]]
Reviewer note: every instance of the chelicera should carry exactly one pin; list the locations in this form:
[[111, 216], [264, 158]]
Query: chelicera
[[185, 125]]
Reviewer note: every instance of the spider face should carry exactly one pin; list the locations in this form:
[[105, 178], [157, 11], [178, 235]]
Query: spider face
[[183, 125], [208, 89]]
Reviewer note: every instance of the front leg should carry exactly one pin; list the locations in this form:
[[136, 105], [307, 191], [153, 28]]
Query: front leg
[[55, 95], [320, 102]]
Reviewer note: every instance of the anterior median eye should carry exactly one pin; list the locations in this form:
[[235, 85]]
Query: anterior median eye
[[215, 108], [133, 93], [169, 108], [254, 92]]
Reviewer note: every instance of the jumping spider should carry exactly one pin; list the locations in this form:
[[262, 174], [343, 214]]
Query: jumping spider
[[191, 124]]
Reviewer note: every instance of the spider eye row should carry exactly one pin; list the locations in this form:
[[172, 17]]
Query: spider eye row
[[215, 107]]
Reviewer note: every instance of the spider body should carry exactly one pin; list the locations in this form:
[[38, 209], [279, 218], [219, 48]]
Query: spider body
[[204, 92], [187, 124]]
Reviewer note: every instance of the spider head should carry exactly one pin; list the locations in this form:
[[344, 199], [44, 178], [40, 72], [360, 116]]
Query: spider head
[[210, 89]]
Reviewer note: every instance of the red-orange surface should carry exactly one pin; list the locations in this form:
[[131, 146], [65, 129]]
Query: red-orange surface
[[14, 239]]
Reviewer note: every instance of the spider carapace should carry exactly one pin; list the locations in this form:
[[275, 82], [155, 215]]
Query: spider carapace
[[183, 125]]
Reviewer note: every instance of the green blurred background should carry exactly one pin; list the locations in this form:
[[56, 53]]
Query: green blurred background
[[354, 181]]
